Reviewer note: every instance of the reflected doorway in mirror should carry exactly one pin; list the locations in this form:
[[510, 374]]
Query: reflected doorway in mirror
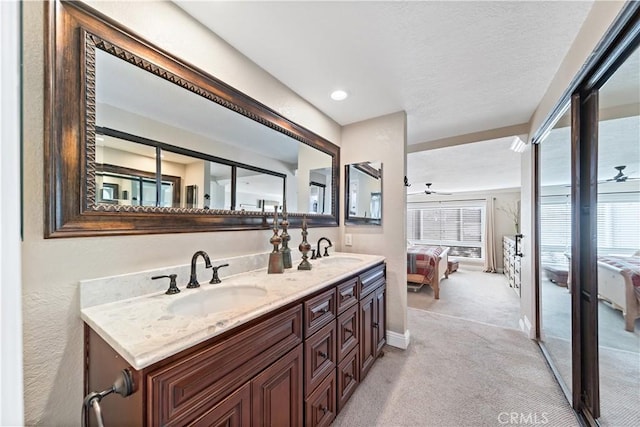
[[363, 193]]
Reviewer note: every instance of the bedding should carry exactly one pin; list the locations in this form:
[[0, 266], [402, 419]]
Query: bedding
[[619, 283], [629, 265], [425, 266], [423, 260]]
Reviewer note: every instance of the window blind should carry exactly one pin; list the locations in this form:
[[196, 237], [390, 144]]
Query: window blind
[[618, 223], [460, 227], [555, 229]]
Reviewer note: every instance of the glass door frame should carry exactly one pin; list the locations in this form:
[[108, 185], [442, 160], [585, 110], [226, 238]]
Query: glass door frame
[[622, 38]]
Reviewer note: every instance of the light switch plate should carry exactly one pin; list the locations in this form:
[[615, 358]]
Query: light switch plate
[[348, 240]]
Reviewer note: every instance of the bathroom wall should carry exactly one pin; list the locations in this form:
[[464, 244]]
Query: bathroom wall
[[384, 139], [53, 331], [600, 17], [11, 402]]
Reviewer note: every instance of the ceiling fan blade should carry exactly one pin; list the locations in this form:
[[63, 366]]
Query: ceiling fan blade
[[430, 191]]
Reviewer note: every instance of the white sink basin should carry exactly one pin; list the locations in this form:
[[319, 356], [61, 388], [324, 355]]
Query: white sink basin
[[340, 260], [216, 299]]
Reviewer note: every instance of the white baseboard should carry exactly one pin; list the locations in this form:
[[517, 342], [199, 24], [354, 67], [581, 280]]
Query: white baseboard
[[395, 339], [525, 326]]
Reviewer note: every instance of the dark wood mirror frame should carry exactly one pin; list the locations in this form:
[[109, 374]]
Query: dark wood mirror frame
[[365, 168], [73, 31]]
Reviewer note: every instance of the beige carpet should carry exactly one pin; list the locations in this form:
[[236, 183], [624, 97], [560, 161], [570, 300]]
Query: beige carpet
[[619, 355], [458, 373], [619, 381], [471, 294]]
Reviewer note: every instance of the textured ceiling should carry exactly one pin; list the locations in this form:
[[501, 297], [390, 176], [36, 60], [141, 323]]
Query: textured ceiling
[[454, 67], [480, 166]]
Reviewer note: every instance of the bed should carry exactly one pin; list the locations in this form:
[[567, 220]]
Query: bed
[[427, 265], [619, 284]]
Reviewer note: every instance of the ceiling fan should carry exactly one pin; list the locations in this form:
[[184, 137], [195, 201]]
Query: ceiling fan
[[430, 191], [620, 176]]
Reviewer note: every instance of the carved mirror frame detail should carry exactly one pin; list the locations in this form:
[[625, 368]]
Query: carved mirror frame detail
[[74, 32]]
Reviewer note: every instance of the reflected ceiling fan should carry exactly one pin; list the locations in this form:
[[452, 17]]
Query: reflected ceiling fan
[[620, 176], [429, 191]]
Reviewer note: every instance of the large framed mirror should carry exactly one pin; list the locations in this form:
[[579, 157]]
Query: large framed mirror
[[141, 142], [363, 193]]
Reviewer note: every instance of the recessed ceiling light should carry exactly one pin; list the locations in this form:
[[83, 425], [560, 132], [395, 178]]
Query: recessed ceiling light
[[339, 95]]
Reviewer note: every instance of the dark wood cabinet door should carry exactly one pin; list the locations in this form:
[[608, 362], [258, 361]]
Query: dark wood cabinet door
[[277, 392], [348, 332], [320, 406], [319, 356], [234, 411], [368, 335], [380, 325], [347, 378]]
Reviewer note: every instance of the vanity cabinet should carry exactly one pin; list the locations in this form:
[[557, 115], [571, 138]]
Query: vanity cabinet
[[208, 381], [372, 317], [297, 365]]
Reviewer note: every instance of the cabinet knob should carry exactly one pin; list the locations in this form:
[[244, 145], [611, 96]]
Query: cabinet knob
[[347, 330], [323, 354], [375, 324], [348, 375], [324, 409]]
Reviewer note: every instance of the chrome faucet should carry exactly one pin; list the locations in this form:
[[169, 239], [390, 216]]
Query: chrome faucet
[[326, 248], [193, 280]]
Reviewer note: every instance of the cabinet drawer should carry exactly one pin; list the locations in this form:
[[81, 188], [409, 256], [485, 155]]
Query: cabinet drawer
[[347, 331], [319, 356], [369, 280], [347, 294], [320, 406], [347, 378], [181, 392], [234, 411], [318, 311]]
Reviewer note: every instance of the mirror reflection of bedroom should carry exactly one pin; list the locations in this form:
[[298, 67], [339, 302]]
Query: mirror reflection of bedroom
[[463, 215], [618, 246], [619, 243]]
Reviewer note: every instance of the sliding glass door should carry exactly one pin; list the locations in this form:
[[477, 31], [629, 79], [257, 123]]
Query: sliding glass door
[[618, 245], [554, 222], [588, 231]]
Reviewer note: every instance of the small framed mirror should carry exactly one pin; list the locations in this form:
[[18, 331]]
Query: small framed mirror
[[363, 192]]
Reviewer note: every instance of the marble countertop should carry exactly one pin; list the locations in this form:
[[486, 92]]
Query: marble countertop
[[149, 328]]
